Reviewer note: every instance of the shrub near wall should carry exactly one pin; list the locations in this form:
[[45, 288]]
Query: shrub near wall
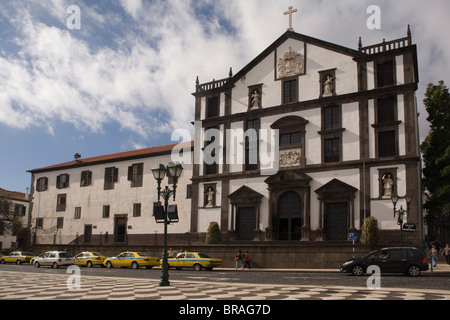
[[213, 234], [369, 231]]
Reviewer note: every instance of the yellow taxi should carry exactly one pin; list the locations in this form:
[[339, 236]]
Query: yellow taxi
[[17, 257], [89, 259], [196, 260], [131, 259]]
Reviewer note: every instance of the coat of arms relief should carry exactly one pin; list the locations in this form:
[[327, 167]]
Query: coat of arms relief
[[290, 64]]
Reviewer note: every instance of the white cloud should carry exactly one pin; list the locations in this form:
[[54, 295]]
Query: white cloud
[[134, 73]]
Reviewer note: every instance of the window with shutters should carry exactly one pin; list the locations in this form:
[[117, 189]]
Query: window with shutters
[[42, 184], [111, 177], [86, 178], [61, 201], [62, 181], [136, 174]]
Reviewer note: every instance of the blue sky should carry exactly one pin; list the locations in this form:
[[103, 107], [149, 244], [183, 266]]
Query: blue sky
[[124, 79]]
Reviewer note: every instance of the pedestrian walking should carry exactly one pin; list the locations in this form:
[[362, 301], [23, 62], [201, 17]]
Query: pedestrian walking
[[238, 259], [247, 260], [434, 255], [446, 253]]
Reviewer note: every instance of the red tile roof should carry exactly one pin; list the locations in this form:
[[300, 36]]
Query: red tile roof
[[12, 194], [140, 153]]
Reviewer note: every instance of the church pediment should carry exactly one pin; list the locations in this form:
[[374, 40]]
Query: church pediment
[[336, 189], [246, 194], [289, 177]]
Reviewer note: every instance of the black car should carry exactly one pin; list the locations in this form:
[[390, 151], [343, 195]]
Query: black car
[[410, 261]]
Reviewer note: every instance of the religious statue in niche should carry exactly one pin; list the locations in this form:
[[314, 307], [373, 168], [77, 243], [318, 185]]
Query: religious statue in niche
[[256, 100], [388, 185], [328, 86], [290, 64], [210, 198]]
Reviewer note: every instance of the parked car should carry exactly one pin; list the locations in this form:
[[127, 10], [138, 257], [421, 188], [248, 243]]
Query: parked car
[[132, 259], [54, 259], [17, 257], [408, 260], [34, 258], [196, 260], [89, 259]]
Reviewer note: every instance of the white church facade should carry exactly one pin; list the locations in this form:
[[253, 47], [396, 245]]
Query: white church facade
[[302, 144]]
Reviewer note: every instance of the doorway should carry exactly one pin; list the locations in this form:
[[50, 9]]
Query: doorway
[[336, 221], [289, 216], [87, 232], [120, 228], [246, 223]]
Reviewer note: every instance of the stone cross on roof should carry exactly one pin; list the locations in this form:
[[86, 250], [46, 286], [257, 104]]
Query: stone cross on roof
[[290, 12]]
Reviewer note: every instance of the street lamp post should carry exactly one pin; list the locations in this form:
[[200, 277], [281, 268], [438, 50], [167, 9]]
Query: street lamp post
[[159, 172], [401, 212]]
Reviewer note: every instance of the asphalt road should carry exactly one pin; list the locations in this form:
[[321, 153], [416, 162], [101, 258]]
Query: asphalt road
[[428, 280]]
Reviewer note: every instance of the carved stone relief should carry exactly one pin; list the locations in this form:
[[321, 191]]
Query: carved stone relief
[[290, 158], [290, 64]]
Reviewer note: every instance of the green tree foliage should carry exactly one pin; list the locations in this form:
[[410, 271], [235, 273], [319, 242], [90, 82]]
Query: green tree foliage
[[436, 154], [9, 220], [213, 234], [369, 231]]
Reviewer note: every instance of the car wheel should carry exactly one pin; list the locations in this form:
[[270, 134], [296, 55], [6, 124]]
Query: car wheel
[[37, 264], [89, 264], [109, 264], [358, 270], [18, 262], [55, 265], [2, 261], [134, 265], [197, 267], [413, 271]]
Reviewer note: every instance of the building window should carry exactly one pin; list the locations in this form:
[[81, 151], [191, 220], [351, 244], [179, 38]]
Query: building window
[[86, 178], [386, 111], [61, 201], [20, 210], [42, 184], [290, 91], [385, 74], [387, 143], [111, 176], [210, 168], [39, 223], [59, 222], [62, 181], [331, 149], [251, 144], [290, 139], [77, 213], [136, 174], [136, 210], [189, 191], [106, 210], [212, 107], [331, 118]]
